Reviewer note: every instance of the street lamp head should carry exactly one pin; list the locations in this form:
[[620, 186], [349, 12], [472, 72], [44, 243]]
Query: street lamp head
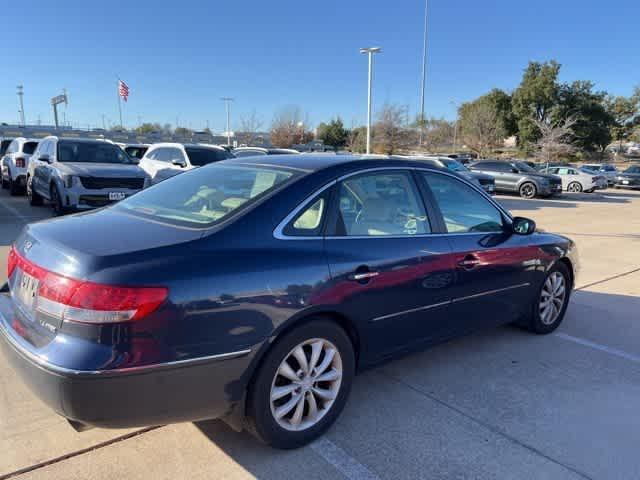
[[371, 50]]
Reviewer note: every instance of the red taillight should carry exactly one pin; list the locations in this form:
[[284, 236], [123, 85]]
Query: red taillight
[[87, 302], [20, 162], [12, 261]]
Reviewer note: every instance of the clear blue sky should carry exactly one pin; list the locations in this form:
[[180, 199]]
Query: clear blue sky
[[180, 57]]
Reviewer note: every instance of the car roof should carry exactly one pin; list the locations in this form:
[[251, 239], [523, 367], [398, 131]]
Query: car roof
[[315, 162], [190, 145]]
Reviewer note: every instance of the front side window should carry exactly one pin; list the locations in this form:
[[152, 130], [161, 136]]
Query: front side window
[[380, 204], [203, 156], [206, 196], [90, 152], [464, 210]]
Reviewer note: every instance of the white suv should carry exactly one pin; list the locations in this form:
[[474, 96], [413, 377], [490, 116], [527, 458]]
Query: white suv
[[14, 164], [164, 160]]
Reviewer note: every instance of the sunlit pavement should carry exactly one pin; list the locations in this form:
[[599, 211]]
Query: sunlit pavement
[[500, 404]]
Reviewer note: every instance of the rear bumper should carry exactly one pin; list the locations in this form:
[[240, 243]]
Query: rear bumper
[[192, 390]]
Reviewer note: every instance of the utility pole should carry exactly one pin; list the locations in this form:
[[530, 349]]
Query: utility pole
[[455, 127], [20, 95], [104, 127], [227, 103], [424, 73], [369, 51]]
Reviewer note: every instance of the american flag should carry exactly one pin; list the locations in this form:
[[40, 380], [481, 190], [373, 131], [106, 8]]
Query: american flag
[[123, 90]]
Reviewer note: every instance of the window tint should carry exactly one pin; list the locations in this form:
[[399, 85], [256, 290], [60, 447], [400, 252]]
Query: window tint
[[563, 171], [3, 146], [204, 156], [379, 204], [12, 148], [90, 152], [29, 147], [136, 152], [464, 209], [494, 166], [554, 170], [309, 221]]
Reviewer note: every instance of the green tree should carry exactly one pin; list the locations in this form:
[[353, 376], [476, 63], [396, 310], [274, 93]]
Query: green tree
[[480, 126], [535, 99], [390, 134], [625, 114], [591, 129], [148, 128], [357, 139], [502, 104], [333, 133]]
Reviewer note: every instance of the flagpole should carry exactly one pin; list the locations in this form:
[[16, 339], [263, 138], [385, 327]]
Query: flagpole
[[119, 101]]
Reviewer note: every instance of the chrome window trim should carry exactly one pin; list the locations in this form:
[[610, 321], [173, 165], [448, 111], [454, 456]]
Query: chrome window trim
[[413, 310], [278, 232], [44, 363]]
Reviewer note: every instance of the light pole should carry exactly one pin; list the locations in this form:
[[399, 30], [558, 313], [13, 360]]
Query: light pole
[[369, 51], [227, 103], [20, 95], [424, 73]]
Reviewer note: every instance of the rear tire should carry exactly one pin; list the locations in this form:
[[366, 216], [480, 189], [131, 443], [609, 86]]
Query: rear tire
[[528, 190], [550, 304], [575, 187], [319, 402], [35, 200], [14, 188]]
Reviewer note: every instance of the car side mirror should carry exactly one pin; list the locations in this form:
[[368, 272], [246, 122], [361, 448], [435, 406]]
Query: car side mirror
[[44, 158], [515, 170], [523, 226], [179, 163]]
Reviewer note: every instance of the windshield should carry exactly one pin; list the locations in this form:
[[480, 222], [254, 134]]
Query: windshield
[[455, 166], [634, 169], [29, 147], [523, 167], [204, 197], [90, 152], [136, 152], [203, 156]]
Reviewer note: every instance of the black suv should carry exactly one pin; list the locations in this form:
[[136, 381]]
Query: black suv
[[514, 176]]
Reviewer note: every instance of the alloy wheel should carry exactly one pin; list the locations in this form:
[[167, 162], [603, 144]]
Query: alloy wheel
[[552, 298], [306, 384], [575, 187], [528, 190]]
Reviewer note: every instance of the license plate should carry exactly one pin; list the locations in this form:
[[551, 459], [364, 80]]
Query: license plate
[[116, 196], [26, 290], [625, 182]]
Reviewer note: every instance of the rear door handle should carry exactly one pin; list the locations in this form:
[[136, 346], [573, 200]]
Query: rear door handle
[[469, 262], [363, 276]]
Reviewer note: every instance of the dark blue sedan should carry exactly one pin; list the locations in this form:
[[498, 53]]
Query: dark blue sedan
[[254, 289]]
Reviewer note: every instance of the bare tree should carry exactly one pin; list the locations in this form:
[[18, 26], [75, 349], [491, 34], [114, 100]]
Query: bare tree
[[556, 138], [290, 126], [480, 126], [437, 133], [390, 134], [250, 124]]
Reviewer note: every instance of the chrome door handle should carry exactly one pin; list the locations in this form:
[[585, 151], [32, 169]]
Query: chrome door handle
[[469, 263], [359, 277]]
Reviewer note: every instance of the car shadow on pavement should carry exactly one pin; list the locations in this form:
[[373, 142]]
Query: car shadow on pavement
[[415, 416]]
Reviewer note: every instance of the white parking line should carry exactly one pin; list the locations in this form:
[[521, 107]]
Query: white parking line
[[14, 211], [597, 346], [342, 461]]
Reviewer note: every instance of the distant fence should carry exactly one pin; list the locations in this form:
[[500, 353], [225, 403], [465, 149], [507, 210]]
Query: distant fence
[[13, 131]]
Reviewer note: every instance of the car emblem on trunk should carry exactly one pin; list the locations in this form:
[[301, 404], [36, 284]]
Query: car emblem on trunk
[[27, 245]]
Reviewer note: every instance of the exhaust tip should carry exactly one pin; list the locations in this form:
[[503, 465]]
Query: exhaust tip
[[79, 426]]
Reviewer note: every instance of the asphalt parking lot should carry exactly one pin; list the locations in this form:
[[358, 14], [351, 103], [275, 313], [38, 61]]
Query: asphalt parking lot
[[500, 404]]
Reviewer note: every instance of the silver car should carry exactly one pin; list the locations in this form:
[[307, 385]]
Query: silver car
[[14, 163], [576, 180], [80, 174], [610, 172]]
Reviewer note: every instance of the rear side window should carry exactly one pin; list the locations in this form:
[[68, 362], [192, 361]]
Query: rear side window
[[464, 210], [380, 204], [136, 152], [29, 147], [206, 196], [204, 156]]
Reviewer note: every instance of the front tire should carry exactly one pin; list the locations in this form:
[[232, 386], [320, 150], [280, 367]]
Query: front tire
[[56, 201], [14, 189], [528, 190], [302, 385], [550, 305], [35, 200]]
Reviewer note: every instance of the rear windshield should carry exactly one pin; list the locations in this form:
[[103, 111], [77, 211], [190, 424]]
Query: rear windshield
[[204, 156], [90, 152], [608, 168], [4, 145], [29, 147], [455, 166], [206, 196]]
